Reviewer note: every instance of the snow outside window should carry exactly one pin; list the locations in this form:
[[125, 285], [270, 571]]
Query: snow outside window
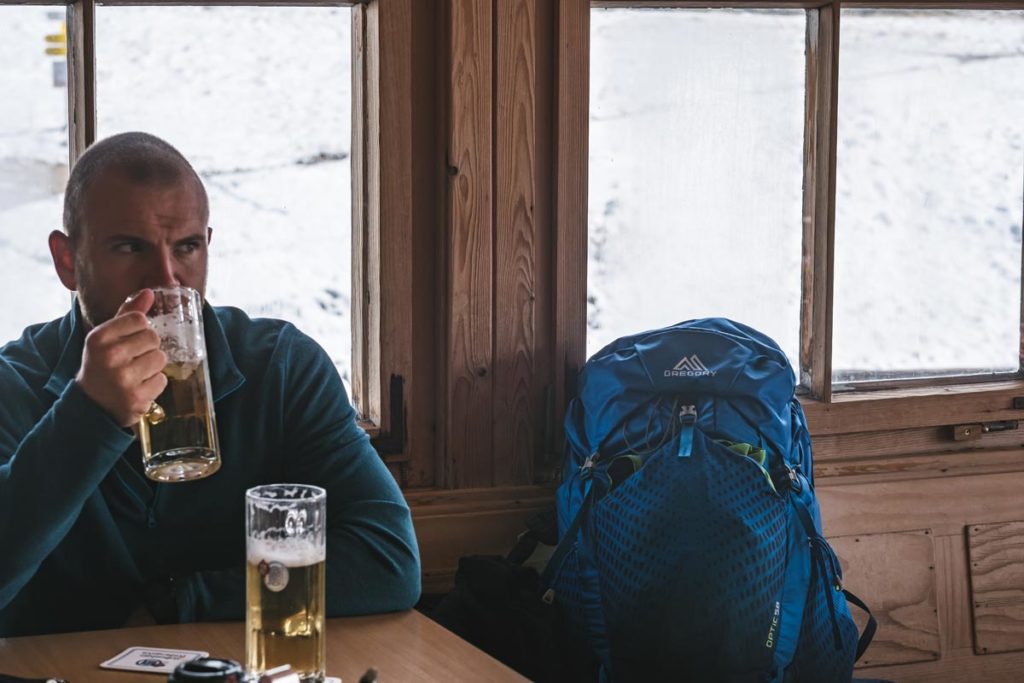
[[259, 100], [696, 170], [33, 166], [929, 196]]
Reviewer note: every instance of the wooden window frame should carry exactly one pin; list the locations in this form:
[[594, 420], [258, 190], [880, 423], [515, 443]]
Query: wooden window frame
[[856, 407], [392, 262]]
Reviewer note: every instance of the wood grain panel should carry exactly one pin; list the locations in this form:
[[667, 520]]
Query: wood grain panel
[[958, 666], [875, 411], [895, 574], [834, 447], [548, 455], [572, 110], [997, 585], [940, 504], [470, 247], [819, 207], [428, 184], [892, 468], [952, 593], [397, 312], [515, 306]]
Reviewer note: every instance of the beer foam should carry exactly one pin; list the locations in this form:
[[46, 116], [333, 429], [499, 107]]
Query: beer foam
[[181, 342], [291, 552]]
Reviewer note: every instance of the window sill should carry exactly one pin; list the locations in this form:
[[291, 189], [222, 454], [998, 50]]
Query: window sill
[[912, 407]]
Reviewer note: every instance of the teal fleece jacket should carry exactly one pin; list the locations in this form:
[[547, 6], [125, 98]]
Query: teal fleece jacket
[[85, 539]]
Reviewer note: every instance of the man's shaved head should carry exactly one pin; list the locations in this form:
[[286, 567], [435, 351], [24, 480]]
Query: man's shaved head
[[142, 158]]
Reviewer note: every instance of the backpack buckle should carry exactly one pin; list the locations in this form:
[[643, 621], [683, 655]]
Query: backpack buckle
[[587, 468], [794, 481]]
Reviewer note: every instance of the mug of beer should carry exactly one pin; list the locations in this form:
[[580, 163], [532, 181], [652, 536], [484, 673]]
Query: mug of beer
[[178, 434], [286, 552]]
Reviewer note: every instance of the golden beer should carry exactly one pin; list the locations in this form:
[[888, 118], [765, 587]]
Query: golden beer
[[285, 585], [180, 442]]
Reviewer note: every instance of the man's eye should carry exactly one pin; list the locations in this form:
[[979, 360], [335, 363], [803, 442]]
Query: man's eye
[[127, 248], [189, 247]]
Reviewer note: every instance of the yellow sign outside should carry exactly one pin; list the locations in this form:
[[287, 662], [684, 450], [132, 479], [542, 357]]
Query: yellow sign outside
[[60, 41]]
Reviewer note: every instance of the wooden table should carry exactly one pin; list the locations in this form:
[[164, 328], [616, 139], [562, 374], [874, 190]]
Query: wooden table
[[403, 647]]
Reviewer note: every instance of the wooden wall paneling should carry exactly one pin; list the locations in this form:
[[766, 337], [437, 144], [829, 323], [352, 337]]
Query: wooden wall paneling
[[428, 180], [941, 504], [997, 585], [397, 309], [953, 595], [959, 666], [870, 470], [395, 205], [572, 112], [877, 411], [470, 248], [837, 447], [895, 574], [819, 208], [516, 238], [549, 441], [81, 25]]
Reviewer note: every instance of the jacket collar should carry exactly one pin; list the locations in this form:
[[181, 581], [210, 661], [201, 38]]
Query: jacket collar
[[225, 376]]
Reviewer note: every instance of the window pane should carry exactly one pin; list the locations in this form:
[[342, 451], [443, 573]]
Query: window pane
[[259, 100], [929, 194], [696, 168], [33, 166]]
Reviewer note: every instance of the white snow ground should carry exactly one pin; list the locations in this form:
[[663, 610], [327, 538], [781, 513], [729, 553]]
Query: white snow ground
[[695, 172]]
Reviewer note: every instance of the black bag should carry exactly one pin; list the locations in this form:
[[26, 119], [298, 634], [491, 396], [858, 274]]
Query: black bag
[[496, 605]]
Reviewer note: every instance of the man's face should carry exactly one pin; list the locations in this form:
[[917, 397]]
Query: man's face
[[135, 236]]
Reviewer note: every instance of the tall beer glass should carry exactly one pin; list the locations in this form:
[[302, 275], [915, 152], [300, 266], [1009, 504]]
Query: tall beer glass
[[179, 434], [285, 579]]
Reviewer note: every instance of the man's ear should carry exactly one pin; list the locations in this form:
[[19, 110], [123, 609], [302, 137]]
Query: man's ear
[[63, 253]]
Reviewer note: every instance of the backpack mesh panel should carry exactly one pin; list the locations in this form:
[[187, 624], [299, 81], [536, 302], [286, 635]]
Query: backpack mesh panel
[[690, 589]]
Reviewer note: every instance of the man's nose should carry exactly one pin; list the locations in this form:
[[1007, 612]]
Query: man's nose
[[164, 273]]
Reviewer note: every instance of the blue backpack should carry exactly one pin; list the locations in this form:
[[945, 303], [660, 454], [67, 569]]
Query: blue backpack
[[690, 544]]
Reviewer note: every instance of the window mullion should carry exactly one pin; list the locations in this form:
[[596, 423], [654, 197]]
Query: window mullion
[[819, 200], [81, 22]]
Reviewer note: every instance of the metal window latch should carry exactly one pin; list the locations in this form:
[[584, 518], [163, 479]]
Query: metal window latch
[[970, 432]]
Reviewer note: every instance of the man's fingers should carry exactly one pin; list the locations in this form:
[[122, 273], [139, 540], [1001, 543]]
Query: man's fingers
[[114, 329], [131, 346], [152, 387], [141, 301], [149, 365]]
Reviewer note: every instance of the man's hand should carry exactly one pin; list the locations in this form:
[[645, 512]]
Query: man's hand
[[122, 362]]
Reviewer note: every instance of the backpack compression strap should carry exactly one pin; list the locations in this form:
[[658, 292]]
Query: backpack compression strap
[[817, 541]]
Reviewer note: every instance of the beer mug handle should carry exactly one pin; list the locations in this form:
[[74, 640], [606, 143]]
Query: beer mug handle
[[155, 415]]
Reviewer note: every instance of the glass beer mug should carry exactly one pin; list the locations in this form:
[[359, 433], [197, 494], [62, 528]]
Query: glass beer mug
[[178, 434], [285, 579]]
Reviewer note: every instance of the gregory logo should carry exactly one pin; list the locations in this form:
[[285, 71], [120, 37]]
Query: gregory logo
[[690, 367]]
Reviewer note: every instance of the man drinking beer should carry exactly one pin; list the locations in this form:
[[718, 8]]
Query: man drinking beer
[[86, 540]]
